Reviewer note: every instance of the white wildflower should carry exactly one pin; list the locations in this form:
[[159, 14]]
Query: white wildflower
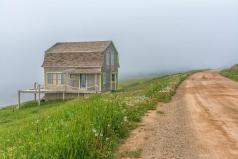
[[125, 119], [94, 130]]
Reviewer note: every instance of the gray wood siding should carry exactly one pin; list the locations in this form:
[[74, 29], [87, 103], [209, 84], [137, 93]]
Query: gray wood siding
[[92, 80], [108, 69]]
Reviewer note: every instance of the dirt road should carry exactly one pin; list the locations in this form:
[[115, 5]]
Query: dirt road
[[200, 122]]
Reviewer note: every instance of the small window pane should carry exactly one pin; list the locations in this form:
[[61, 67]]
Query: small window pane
[[113, 77], [50, 78], [104, 77], [82, 80], [62, 78], [112, 58], [58, 78], [108, 58]]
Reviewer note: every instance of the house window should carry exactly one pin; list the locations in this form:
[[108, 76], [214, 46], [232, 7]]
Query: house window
[[112, 58], [56, 78], [104, 77], [113, 77], [83, 81], [60, 78], [50, 78], [108, 58]]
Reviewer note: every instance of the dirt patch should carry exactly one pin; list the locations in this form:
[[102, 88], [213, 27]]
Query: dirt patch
[[139, 136]]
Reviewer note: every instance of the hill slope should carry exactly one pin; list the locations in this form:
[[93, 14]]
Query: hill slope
[[231, 73], [89, 127]]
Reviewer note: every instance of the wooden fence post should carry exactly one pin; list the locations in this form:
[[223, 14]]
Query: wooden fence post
[[35, 88], [19, 98], [39, 94], [64, 92]]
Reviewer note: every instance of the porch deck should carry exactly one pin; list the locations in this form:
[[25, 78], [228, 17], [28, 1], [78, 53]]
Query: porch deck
[[40, 89]]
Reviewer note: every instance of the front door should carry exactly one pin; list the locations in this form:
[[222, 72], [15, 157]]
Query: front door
[[83, 82]]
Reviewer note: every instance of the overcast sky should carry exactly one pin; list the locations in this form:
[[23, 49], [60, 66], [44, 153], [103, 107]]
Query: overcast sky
[[150, 35]]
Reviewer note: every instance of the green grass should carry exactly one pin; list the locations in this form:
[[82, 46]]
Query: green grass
[[132, 154], [84, 128], [231, 73]]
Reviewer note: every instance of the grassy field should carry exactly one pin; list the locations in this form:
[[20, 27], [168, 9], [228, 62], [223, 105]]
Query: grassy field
[[231, 73], [85, 128]]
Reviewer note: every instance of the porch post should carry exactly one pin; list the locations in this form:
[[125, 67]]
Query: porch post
[[64, 92], [95, 82], [116, 80], [100, 82], [110, 81], [39, 94], [35, 91], [66, 78], [19, 99]]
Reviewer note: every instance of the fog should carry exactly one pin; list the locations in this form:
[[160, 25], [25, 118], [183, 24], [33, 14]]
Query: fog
[[151, 36]]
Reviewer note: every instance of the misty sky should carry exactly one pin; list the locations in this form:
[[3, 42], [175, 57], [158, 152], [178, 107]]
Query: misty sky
[[150, 35]]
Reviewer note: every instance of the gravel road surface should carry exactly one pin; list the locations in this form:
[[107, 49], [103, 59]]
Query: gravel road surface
[[201, 122]]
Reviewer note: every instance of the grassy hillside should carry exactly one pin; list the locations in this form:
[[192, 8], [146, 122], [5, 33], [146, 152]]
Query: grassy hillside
[[231, 73], [84, 128]]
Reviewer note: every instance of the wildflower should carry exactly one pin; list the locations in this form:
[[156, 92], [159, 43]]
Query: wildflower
[[125, 119], [94, 130]]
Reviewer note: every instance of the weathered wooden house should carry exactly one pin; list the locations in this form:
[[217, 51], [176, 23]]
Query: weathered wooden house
[[79, 68]]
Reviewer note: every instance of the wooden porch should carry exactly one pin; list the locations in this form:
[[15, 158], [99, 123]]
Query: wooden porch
[[38, 90]]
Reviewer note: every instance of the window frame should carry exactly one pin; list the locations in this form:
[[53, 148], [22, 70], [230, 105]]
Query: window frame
[[62, 78], [58, 78], [108, 58], [104, 78], [112, 58], [80, 80], [48, 78], [113, 78]]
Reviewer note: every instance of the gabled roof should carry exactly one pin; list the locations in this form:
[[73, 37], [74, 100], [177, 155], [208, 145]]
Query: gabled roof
[[76, 54], [89, 46]]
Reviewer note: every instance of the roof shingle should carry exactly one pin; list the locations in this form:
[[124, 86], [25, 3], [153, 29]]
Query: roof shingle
[[76, 54], [90, 46]]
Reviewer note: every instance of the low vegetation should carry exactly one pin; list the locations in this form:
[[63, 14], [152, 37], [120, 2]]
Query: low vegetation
[[131, 154], [84, 128], [231, 73]]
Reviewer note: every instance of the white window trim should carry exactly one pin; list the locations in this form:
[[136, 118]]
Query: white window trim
[[55, 81], [47, 78], [115, 80]]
